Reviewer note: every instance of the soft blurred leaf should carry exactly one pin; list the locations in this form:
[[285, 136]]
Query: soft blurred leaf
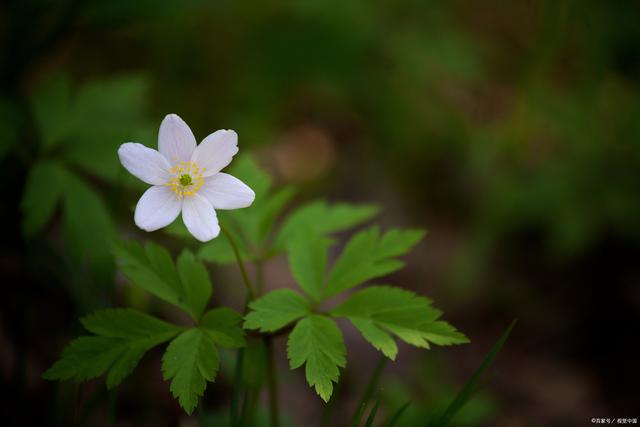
[[317, 343], [87, 224], [43, 189]]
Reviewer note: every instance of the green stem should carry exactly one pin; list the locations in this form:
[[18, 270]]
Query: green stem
[[245, 276], [272, 383]]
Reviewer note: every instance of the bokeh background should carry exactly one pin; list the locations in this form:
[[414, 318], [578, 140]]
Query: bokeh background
[[510, 130]]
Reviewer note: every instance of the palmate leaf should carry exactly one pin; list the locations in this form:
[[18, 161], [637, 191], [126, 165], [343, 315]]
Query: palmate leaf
[[122, 337], [276, 310], [379, 312], [190, 361], [369, 255], [185, 284], [323, 219], [317, 343], [223, 326], [307, 255]]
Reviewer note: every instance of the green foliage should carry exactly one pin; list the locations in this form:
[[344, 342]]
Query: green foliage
[[185, 284], [253, 228], [369, 255], [190, 361], [379, 311], [122, 337], [223, 326], [323, 219], [317, 343], [275, 310], [307, 253]]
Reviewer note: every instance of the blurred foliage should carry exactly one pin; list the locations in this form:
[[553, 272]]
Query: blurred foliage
[[500, 121]]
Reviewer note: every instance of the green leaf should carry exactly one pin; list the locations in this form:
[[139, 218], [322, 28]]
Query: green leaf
[[190, 361], [152, 268], [122, 337], [316, 342], [324, 219], [87, 224], [379, 311], [196, 287], [50, 104], [368, 255], [43, 189], [276, 310], [223, 326], [308, 261], [81, 123], [469, 388]]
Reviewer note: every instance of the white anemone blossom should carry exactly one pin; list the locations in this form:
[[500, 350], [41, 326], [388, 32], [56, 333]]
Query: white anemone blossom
[[186, 178]]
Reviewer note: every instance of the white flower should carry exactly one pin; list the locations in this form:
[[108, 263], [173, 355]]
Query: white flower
[[185, 178]]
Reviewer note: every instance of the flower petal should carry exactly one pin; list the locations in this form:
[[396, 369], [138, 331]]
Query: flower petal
[[157, 208], [175, 140], [216, 151], [144, 163], [227, 192], [200, 218]]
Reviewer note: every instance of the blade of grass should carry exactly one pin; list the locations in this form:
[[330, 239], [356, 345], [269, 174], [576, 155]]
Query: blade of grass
[[470, 386], [366, 397], [372, 414], [396, 415], [234, 416]]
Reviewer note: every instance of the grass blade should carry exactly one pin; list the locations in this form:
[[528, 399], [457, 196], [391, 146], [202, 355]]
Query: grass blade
[[372, 414], [396, 415], [470, 386], [366, 397]]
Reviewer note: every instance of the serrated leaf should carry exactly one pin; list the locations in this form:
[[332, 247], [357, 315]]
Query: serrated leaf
[[223, 326], [276, 310], [122, 337], [324, 219], [316, 342], [186, 286], [368, 255], [190, 361], [307, 255], [379, 311], [41, 195]]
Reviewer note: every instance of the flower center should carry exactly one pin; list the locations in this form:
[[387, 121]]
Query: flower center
[[187, 179]]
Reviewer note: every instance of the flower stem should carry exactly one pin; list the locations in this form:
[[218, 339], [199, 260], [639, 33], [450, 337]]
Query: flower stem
[[272, 383], [245, 276]]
